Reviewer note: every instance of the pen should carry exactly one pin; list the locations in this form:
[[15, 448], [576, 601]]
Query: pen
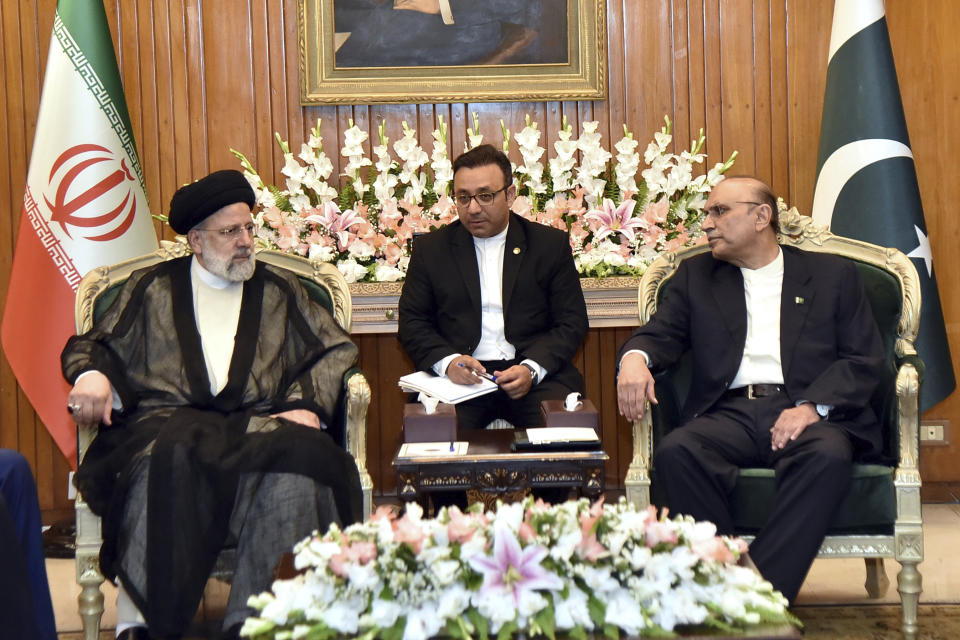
[[482, 374]]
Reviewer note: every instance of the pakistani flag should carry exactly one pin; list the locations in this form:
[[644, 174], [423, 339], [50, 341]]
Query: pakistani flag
[[866, 180], [83, 206]]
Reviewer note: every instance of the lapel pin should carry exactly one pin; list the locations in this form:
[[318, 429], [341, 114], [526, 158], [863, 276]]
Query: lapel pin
[[516, 251], [798, 300]]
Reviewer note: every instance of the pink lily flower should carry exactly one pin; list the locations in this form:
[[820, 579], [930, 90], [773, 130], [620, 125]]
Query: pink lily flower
[[512, 570], [613, 219]]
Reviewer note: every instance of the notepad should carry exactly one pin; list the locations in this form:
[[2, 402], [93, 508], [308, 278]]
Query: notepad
[[443, 388], [420, 449]]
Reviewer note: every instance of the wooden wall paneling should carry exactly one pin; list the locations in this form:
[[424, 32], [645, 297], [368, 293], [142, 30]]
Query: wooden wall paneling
[[616, 102], [197, 89], [695, 92], [737, 72], [779, 119], [229, 81], [680, 74], [393, 363], [282, 86], [808, 36], [712, 81], [151, 74], [164, 153], [929, 73], [762, 89], [11, 144], [177, 157], [261, 29]]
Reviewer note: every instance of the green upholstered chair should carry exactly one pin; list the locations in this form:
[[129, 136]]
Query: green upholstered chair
[[880, 516], [95, 293]]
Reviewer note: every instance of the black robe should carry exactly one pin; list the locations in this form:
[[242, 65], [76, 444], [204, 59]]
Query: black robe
[[289, 354]]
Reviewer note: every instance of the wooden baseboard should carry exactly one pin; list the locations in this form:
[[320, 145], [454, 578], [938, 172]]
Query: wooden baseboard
[[942, 492]]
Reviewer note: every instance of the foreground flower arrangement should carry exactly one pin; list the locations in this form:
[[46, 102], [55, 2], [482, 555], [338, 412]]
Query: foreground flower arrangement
[[529, 568], [618, 222]]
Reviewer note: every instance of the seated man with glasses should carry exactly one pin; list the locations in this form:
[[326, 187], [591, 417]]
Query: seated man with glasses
[[494, 293], [212, 377], [786, 355]]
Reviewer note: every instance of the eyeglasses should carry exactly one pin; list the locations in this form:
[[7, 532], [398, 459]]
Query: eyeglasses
[[233, 232], [720, 209], [484, 198]]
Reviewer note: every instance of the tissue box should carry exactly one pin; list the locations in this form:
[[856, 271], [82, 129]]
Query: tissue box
[[419, 426], [552, 414]]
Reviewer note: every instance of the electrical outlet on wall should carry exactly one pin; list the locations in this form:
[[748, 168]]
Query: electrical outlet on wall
[[935, 432]]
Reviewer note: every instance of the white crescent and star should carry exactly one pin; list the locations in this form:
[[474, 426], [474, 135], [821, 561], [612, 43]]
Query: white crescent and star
[[923, 250], [842, 165]]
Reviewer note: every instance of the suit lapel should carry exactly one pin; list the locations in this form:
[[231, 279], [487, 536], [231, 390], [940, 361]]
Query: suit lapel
[[513, 253], [728, 295], [796, 299], [465, 257]]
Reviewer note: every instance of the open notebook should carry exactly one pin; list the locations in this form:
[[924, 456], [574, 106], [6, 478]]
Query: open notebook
[[444, 389]]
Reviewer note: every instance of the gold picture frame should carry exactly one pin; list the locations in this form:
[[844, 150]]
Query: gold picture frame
[[571, 49]]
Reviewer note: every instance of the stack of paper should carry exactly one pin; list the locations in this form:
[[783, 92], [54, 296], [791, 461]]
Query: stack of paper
[[444, 389], [550, 435]]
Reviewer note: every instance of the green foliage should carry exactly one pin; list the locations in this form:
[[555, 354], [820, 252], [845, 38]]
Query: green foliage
[[507, 630], [597, 609], [396, 631], [545, 623], [480, 624]]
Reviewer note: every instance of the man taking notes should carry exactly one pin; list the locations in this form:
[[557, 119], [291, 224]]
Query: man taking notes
[[494, 293]]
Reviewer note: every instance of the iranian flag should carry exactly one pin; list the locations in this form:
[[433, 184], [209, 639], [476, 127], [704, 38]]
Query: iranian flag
[[84, 206]]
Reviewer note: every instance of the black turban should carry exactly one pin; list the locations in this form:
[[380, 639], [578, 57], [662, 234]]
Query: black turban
[[195, 202]]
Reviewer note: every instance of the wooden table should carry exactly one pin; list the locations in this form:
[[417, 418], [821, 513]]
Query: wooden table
[[490, 471]]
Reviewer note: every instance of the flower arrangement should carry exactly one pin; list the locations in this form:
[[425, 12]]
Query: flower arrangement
[[618, 222], [528, 568]]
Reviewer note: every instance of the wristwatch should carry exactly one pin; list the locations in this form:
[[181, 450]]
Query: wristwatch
[[533, 373]]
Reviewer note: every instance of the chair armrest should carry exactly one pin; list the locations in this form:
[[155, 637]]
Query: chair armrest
[[908, 424], [357, 393], [637, 482]]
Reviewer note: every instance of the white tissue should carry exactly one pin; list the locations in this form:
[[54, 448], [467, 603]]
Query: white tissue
[[572, 402], [429, 403]]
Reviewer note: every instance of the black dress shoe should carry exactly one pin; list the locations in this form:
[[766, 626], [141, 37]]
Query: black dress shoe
[[134, 633]]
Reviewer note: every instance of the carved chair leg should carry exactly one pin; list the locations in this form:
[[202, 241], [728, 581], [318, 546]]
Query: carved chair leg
[[90, 603], [877, 582], [909, 584]]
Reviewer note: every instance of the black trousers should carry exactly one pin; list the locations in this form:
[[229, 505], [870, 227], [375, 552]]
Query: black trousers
[[521, 413], [697, 465]]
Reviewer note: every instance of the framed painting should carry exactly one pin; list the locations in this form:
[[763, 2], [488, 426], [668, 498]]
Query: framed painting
[[415, 51]]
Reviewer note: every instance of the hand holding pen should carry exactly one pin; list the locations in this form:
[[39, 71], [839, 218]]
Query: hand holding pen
[[479, 373], [467, 370]]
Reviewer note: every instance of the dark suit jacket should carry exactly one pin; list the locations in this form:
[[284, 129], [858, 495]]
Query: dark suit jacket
[[545, 317], [830, 347]]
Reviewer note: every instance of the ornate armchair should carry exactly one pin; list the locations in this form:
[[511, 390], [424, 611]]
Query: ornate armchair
[[99, 288], [880, 516]]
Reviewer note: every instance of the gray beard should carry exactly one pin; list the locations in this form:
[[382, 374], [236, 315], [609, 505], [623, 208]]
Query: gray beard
[[227, 269]]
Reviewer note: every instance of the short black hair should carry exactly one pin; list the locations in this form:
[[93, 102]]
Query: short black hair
[[481, 156], [763, 193]]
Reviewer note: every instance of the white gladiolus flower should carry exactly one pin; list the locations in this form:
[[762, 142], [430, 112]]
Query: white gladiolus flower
[[625, 612]]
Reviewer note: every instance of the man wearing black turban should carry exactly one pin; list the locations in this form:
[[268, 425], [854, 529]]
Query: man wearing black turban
[[212, 378]]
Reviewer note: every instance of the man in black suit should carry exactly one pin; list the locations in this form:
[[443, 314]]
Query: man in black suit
[[494, 292], [786, 355]]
